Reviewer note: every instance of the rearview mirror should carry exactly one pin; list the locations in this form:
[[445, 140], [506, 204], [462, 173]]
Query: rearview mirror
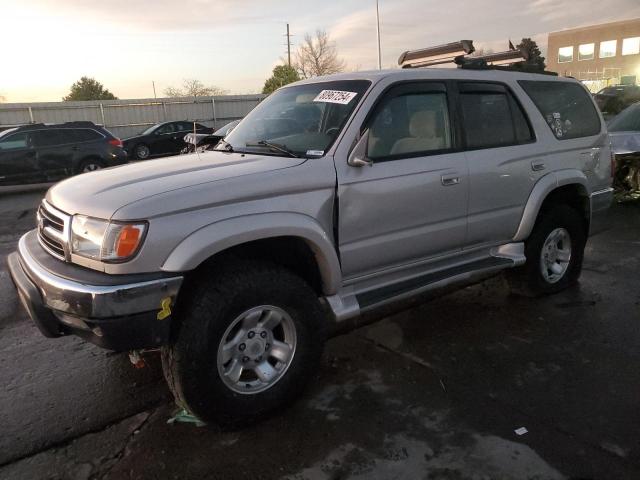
[[358, 156]]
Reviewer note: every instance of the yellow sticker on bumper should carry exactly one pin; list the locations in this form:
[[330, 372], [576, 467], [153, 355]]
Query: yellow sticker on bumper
[[165, 308]]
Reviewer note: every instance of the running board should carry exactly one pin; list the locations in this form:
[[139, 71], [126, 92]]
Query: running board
[[347, 304]]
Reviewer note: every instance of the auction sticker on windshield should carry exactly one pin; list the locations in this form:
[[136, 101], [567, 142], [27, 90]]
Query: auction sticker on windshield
[[335, 96]]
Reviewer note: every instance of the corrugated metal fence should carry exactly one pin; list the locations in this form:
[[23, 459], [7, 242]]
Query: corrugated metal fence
[[125, 118]]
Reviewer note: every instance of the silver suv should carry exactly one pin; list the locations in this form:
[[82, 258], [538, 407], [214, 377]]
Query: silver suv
[[334, 197]]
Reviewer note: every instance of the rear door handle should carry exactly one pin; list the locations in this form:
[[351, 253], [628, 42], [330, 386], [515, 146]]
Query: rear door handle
[[537, 166], [449, 180]]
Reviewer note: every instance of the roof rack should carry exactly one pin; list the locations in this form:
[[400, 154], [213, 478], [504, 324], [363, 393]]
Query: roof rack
[[513, 60], [426, 57]]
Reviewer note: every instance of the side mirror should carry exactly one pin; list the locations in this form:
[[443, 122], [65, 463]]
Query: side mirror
[[358, 156]]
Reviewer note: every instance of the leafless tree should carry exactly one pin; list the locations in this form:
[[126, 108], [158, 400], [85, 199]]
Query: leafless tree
[[193, 88], [318, 56]]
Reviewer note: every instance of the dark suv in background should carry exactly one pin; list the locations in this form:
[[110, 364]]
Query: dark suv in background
[[39, 153]]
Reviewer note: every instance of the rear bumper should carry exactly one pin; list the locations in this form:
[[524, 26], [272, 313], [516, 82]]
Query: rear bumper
[[117, 316], [600, 202]]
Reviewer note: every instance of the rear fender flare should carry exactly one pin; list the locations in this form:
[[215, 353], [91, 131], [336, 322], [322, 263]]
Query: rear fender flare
[[541, 191]]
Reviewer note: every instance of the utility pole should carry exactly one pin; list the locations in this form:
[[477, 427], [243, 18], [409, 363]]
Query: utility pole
[[378, 32], [288, 46], [154, 89]]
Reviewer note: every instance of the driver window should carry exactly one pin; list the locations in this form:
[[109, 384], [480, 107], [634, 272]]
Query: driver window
[[409, 125], [168, 128]]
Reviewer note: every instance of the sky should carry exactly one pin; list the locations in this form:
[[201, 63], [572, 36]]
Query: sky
[[234, 44]]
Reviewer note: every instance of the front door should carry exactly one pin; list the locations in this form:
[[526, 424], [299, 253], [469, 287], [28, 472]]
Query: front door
[[18, 163], [411, 203]]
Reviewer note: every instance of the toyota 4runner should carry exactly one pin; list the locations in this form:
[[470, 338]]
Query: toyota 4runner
[[334, 197]]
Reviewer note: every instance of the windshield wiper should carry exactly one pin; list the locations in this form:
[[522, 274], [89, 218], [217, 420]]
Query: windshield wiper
[[275, 146]]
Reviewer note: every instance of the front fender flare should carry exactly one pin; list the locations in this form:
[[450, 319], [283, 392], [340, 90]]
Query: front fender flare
[[540, 191], [219, 236]]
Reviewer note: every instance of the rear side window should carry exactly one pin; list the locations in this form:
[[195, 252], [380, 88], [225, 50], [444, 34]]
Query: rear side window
[[492, 117], [567, 108], [85, 135]]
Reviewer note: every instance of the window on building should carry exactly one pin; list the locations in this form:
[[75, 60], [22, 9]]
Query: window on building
[[631, 46], [585, 52], [608, 48], [565, 54]]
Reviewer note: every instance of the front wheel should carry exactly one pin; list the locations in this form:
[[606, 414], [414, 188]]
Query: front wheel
[[554, 251], [90, 165], [249, 340]]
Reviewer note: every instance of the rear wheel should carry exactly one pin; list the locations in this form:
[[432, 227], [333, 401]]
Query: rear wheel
[[141, 151], [248, 342], [554, 251]]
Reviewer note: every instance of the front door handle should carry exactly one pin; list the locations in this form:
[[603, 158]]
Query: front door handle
[[449, 180]]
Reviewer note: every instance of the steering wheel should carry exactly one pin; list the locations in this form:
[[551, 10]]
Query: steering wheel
[[332, 131]]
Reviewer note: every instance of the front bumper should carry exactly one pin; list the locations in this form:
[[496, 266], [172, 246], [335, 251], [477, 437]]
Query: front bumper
[[601, 201], [118, 312]]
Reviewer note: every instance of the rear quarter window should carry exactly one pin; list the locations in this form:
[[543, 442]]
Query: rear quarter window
[[566, 107]]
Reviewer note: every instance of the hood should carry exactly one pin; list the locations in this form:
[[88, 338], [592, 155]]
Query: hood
[[101, 193], [623, 143]]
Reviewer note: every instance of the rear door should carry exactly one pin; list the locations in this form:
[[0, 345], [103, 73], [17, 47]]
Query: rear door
[[411, 203], [18, 163], [502, 154], [55, 153]]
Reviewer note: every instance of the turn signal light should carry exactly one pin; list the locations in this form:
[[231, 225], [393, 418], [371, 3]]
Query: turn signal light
[[127, 241]]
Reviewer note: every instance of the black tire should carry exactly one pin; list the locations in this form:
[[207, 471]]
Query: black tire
[[190, 362], [141, 151], [90, 165], [529, 279]]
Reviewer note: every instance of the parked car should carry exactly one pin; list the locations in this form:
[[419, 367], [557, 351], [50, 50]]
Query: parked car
[[624, 132], [162, 139], [612, 100], [39, 153], [335, 196], [204, 141]]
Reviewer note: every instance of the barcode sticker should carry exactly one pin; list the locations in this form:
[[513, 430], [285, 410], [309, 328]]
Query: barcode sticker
[[335, 96]]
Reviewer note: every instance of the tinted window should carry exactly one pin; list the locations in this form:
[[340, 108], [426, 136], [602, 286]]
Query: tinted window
[[85, 135], [15, 141], [48, 138], [492, 118], [167, 128], [407, 124], [185, 126], [567, 108]]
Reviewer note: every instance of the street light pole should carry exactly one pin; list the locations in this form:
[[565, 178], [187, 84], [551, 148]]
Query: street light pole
[[378, 32]]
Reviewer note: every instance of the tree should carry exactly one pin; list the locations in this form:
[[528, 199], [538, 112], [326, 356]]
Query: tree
[[536, 60], [282, 75], [88, 89], [318, 56], [193, 88]]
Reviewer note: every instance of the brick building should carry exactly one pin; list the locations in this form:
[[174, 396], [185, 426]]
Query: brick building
[[599, 55]]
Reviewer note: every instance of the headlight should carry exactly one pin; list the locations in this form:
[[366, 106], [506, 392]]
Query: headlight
[[105, 241]]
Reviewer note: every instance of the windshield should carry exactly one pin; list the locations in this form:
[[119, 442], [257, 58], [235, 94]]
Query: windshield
[[303, 119], [4, 133], [149, 130], [626, 121]]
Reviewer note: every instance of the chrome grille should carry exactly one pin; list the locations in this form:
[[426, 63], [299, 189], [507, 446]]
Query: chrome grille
[[53, 230]]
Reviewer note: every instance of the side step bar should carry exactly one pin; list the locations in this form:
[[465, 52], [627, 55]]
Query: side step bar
[[348, 304]]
